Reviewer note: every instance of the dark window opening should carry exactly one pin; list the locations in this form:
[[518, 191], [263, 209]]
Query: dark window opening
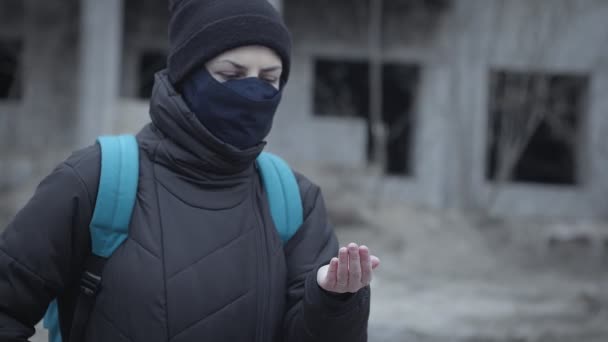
[[10, 70], [534, 127], [342, 89], [399, 85], [149, 64]]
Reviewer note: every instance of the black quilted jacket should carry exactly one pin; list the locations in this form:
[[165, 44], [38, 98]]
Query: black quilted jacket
[[203, 261]]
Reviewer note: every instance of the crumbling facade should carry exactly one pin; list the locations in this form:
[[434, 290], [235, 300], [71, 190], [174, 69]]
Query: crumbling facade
[[77, 69]]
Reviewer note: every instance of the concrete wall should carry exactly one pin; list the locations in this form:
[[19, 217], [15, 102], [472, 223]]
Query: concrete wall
[[455, 52], [37, 130], [145, 29], [564, 36], [450, 140]]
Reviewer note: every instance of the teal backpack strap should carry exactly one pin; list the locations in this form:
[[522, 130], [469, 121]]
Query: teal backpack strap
[[116, 194], [109, 226], [283, 194], [51, 322]]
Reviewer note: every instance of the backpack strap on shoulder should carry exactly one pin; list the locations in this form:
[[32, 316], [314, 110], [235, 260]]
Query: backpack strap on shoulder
[[109, 226], [116, 194], [283, 194]]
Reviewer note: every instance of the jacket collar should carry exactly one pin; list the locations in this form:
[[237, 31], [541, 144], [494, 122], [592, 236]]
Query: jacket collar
[[191, 148]]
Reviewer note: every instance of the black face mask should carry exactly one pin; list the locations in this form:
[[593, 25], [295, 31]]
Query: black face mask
[[238, 112]]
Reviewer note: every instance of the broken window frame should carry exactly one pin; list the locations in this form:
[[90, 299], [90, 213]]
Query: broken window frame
[[361, 110], [514, 144]]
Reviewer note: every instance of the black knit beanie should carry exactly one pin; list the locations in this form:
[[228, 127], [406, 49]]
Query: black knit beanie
[[202, 29]]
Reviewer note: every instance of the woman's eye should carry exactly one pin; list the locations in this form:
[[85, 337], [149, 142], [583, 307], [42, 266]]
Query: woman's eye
[[229, 75], [271, 80]]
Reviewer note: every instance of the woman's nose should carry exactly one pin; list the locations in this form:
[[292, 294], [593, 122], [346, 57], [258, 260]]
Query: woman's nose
[[253, 72]]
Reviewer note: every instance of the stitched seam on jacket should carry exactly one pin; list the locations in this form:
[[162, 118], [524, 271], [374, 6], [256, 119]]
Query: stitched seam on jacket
[[239, 297], [239, 237], [262, 266], [162, 239], [82, 183], [143, 247], [195, 206], [103, 315], [29, 270]]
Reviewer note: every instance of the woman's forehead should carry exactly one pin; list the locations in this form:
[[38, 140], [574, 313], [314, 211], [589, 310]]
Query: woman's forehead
[[253, 55]]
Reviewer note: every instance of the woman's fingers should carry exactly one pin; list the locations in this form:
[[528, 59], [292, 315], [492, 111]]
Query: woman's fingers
[[332, 274], [342, 278], [350, 271], [354, 268], [375, 262], [366, 265]]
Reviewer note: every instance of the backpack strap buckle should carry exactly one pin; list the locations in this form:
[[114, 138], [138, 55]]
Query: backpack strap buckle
[[90, 284]]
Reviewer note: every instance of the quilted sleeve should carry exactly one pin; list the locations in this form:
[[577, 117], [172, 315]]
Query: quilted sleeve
[[41, 251], [313, 314]]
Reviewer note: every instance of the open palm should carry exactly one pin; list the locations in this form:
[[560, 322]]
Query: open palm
[[351, 271]]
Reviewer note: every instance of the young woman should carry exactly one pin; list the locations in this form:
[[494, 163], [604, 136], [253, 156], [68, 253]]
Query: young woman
[[202, 261]]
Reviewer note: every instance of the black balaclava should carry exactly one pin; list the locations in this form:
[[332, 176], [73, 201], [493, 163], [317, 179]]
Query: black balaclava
[[238, 112]]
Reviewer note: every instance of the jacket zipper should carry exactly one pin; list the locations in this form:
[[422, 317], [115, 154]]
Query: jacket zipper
[[264, 291], [263, 276]]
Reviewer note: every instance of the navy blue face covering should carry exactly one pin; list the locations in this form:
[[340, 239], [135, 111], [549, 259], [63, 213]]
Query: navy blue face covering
[[238, 112]]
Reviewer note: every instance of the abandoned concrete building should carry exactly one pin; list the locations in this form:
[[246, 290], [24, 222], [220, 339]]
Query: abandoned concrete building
[[443, 73]]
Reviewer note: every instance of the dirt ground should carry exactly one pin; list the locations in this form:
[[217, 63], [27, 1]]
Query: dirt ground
[[446, 277]]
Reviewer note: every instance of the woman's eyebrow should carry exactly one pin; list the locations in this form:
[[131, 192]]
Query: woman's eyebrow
[[236, 65], [273, 68]]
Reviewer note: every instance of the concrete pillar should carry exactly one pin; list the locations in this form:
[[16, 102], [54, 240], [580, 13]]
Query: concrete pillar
[[278, 4], [596, 155], [101, 30]]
